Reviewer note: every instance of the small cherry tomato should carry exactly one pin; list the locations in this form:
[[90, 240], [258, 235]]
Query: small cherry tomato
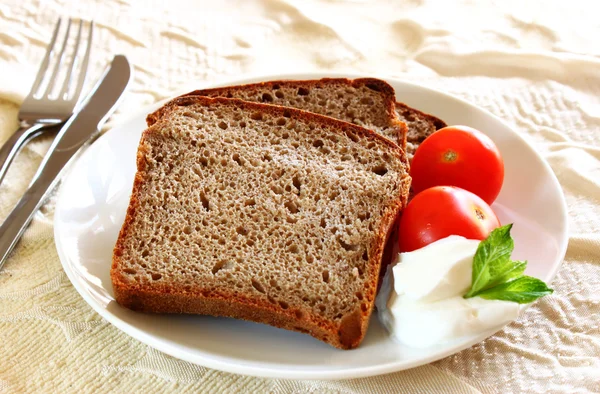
[[459, 156], [441, 211]]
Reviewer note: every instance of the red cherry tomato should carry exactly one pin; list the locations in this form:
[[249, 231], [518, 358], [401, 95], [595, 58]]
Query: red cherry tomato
[[459, 156], [441, 211]]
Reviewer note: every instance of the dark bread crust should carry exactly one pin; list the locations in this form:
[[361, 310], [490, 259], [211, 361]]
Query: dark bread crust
[[346, 334], [372, 83], [415, 136]]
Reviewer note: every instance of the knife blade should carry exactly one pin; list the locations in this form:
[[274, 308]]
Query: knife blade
[[79, 130]]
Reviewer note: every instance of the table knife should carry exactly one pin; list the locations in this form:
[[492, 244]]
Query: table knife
[[77, 132]]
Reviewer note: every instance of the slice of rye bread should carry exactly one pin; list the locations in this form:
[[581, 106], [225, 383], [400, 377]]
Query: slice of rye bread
[[367, 102], [259, 212], [420, 126]]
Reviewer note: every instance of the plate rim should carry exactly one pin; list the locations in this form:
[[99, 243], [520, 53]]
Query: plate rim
[[173, 349]]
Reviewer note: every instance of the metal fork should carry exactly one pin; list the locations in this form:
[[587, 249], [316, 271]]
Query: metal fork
[[42, 110]]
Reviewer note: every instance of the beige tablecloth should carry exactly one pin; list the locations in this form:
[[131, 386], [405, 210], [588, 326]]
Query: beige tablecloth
[[535, 64]]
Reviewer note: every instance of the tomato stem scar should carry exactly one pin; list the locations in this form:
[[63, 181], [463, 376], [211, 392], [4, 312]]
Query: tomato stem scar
[[450, 156], [479, 214]]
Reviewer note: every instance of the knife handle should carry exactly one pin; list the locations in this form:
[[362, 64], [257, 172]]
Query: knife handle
[[17, 221], [54, 164]]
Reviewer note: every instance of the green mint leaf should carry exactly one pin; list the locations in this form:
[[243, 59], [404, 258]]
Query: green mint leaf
[[497, 277], [491, 260], [504, 272], [522, 290]]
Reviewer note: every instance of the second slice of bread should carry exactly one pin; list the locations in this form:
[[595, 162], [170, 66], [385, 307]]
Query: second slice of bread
[[259, 212], [367, 102], [420, 126]]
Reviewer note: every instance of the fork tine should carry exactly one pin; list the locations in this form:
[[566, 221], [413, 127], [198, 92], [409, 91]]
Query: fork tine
[[44, 65], [65, 89], [52, 80], [85, 62]]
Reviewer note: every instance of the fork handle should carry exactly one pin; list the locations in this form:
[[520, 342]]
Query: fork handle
[[15, 142]]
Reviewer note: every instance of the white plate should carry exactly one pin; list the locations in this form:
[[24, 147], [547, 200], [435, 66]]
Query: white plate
[[94, 196]]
